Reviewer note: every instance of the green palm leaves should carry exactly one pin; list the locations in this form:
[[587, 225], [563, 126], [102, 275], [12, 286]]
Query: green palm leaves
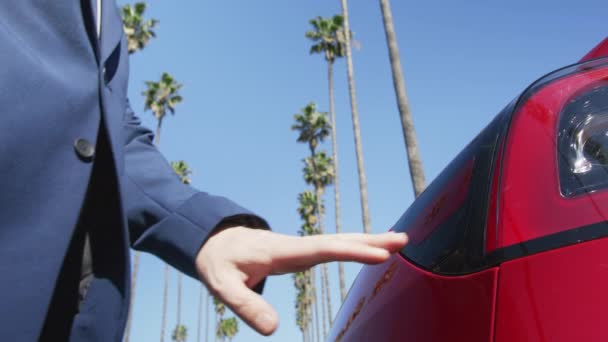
[[308, 212], [318, 170], [182, 170], [137, 30], [162, 96], [312, 126], [226, 327], [328, 36]]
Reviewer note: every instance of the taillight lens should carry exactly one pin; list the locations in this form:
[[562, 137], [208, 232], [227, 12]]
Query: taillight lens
[[583, 143]]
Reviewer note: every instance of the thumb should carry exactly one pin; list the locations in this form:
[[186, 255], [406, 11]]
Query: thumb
[[249, 306]]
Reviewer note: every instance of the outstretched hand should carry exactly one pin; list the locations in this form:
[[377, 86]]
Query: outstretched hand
[[235, 259]]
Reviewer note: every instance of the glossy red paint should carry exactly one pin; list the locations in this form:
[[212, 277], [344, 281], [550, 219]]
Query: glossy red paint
[[601, 50], [531, 205], [555, 296], [397, 301]]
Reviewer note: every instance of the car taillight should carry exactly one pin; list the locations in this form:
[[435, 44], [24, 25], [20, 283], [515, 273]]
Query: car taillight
[[555, 164], [582, 143]]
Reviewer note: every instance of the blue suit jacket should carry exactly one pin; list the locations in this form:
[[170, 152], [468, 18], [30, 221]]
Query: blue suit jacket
[[60, 83]]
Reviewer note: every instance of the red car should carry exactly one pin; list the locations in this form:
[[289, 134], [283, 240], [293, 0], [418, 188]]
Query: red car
[[509, 242]]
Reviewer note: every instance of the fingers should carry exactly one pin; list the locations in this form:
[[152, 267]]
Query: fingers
[[390, 241], [249, 306], [302, 253]]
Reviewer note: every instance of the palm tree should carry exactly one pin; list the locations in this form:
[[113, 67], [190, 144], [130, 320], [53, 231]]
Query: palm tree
[[137, 30], [180, 334], [303, 301], [161, 97], [182, 170], [313, 128], [407, 124], [318, 172], [328, 38], [308, 214], [355, 114], [303, 281]]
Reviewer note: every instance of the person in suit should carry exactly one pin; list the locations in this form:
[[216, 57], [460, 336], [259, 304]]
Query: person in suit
[[81, 182]]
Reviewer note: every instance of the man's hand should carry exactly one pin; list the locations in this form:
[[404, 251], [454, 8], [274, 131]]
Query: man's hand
[[235, 259]]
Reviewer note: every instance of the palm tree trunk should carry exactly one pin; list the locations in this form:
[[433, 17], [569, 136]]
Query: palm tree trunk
[[200, 314], [409, 134], [334, 147], [207, 317], [311, 336], [179, 299], [165, 296], [323, 304], [163, 322], [325, 292], [217, 325], [157, 135], [356, 130], [132, 299], [316, 302]]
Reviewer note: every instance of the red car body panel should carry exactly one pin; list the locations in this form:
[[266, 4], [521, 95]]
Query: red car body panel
[[397, 301], [555, 296]]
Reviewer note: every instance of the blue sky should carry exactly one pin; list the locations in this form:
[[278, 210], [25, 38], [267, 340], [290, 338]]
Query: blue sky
[[246, 70]]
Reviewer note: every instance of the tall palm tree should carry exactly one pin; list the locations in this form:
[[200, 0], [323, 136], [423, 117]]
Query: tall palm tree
[[355, 115], [137, 30], [327, 35], [160, 97], [407, 124], [318, 172], [303, 301], [313, 128], [308, 213], [182, 170]]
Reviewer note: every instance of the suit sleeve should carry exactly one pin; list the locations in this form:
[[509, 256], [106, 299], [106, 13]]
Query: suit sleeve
[[166, 217]]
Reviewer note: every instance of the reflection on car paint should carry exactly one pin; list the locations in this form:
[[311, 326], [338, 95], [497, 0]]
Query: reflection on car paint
[[351, 319]]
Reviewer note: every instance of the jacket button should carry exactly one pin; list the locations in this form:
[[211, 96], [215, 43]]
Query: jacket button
[[84, 149]]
